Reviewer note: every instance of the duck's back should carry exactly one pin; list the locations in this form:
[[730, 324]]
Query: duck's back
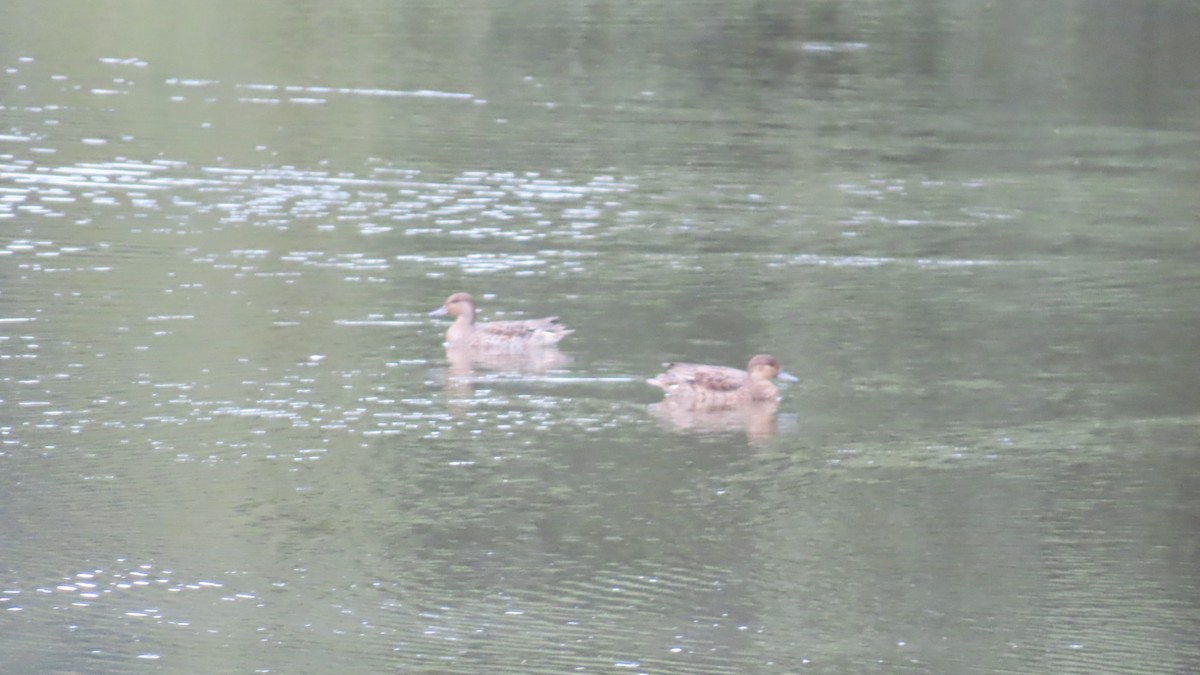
[[700, 377], [514, 334]]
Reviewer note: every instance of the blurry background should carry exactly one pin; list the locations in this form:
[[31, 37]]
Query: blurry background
[[229, 442]]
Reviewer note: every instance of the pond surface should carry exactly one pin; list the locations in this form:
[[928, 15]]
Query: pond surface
[[231, 439]]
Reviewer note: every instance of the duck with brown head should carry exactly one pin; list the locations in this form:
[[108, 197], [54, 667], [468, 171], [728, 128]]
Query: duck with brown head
[[496, 335], [703, 386]]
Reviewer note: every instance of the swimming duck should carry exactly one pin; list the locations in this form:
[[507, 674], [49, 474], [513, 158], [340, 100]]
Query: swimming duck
[[717, 386], [496, 335]]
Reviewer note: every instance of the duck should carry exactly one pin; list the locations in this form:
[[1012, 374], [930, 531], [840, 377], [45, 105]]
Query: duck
[[702, 386], [465, 333]]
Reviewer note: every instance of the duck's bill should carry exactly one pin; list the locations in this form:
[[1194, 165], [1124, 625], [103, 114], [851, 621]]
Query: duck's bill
[[439, 311], [787, 377]]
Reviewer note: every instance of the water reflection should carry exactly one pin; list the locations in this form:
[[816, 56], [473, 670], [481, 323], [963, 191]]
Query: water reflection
[[467, 364], [755, 418], [464, 361]]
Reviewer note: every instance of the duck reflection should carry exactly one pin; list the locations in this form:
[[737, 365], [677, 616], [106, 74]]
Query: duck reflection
[[466, 364], [755, 418]]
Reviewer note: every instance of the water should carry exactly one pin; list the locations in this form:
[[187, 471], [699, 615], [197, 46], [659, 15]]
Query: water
[[231, 441]]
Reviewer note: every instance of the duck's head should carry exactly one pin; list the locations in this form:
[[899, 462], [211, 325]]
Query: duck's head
[[766, 367], [456, 305]]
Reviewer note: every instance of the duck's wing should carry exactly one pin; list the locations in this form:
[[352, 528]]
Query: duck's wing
[[549, 324], [516, 329], [519, 334], [712, 378], [675, 374], [719, 378]]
